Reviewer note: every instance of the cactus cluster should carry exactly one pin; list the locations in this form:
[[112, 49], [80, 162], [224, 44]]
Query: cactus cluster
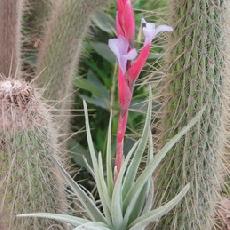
[[29, 182]]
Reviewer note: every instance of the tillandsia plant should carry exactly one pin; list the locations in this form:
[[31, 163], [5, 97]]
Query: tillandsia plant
[[124, 204], [126, 193], [129, 66]]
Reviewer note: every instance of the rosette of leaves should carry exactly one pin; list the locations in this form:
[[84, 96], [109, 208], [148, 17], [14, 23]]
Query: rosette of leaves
[[126, 201]]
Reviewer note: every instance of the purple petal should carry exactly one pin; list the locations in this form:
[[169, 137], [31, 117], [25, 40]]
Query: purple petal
[[150, 30], [163, 28], [131, 55], [120, 47]]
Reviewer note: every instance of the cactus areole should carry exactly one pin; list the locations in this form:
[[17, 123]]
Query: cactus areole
[[130, 63], [19, 106]]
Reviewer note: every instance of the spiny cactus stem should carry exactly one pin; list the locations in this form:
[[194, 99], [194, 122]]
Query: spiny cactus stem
[[194, 79], [29, 180], [10, 30]]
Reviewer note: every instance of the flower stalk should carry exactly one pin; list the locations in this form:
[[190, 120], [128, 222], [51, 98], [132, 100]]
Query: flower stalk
[[130, 64]]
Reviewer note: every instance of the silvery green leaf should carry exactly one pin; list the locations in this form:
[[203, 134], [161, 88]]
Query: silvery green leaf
[[157, 213], [116, 205], [133, 167], [133, 211], [102, 190], [150, 168], [150, 196], [92, 226], [102, 180], [75, 221], [109, 171], [86, 201]]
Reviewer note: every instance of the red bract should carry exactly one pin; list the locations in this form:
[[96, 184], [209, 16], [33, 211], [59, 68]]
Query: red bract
[[125, 20], [124, 91], [137, 66], [129, 67]]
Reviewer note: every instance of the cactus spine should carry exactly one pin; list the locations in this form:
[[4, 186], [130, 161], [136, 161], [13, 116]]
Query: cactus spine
[[28, 180], [10, 26], [194, 80], [59, 54]]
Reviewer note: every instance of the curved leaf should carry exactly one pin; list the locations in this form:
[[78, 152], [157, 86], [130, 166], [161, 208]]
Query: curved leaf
[[102, 190], [75, 221], [116, 205], [156, 214], [92, 226]]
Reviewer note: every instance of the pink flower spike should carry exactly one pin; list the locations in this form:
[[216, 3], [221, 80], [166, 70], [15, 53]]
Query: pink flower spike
[[137, 66], [124, 92], [150, 30], [119, 47], [122, 123], [125, 20]]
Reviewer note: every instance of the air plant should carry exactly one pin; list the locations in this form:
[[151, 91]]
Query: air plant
[[129, 66], [125, 191]]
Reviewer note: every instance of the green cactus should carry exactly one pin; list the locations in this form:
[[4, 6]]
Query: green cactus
[[35, 16], [194, 80], [10, 26], [60, 51], [28, 179]]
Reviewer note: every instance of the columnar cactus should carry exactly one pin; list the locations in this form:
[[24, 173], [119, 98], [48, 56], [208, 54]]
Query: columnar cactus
[[60, 51], [10, 25], [28, 179], [194, 80]]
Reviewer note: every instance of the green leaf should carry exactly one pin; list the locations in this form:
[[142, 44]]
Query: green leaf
[[116, 205], [93, 85], [150, 168], [98, 179], [156, 214], [75, 221], [133, 167], [104, 21], [85, 84], [87, 203], [97, 101], [104, 50], [109, 170]]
